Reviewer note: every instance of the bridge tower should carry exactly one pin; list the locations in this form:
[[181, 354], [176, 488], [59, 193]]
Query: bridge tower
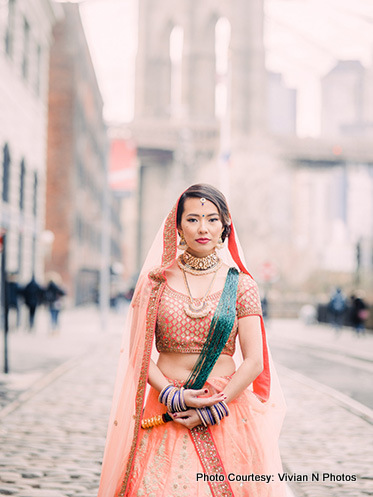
[[200, 87]]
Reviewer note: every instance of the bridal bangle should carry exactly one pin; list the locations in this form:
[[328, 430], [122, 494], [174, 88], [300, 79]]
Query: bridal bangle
[[214, 414], [173, 398]]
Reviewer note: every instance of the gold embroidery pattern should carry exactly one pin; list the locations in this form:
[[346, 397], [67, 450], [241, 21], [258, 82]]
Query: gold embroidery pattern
[[150, 328], [152, 481], [169, 234], [183, 474], [248, 300], [177, 332], [209, 457], [169, 248]]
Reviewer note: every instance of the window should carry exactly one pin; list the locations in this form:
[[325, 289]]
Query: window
[[22, 186], [33, 253], [26, 46], [6, 173], [38, 69], [20, 252], [9, 33]]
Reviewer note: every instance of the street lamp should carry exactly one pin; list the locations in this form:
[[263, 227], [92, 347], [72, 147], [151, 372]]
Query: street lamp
[[4, 298]]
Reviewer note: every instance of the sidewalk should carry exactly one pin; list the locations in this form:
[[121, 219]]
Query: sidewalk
[[33, 355], [52, 443], [323, 336]]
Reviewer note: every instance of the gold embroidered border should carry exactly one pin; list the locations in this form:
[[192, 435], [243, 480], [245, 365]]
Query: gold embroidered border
[[141, 387], [169, 238], [211, 462]]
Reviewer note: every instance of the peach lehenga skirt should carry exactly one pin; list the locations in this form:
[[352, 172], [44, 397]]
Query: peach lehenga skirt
[[167, 463]]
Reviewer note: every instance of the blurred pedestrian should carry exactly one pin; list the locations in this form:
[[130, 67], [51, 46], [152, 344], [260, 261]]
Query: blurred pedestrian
[[308, 314], [32, 294], [264, 304], [337, 307], [359, 312], [14, 292], [54, 294]]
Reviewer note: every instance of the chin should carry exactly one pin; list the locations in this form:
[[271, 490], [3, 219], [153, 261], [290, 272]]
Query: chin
[[202, 251]]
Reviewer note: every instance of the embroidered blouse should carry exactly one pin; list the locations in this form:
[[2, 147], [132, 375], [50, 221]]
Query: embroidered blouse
[[177, 332]]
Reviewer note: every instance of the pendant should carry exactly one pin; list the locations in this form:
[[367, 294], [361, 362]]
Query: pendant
[[196, 311]]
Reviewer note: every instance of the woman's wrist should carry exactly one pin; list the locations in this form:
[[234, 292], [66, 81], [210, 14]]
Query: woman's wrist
[[173, 398], [214, 414]]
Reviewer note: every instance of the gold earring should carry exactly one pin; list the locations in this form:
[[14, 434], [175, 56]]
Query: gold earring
[[220, 243], [182, 244]]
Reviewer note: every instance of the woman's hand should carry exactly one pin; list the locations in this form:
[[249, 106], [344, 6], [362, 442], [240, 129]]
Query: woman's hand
[[189, 419], [192, 398]]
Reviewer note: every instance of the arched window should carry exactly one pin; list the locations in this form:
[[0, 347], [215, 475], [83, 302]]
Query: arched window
[[6, 173], [26, 49], [222, 40], [9, 33]]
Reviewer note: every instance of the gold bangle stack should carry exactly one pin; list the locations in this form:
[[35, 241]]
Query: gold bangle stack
[[153, 421]]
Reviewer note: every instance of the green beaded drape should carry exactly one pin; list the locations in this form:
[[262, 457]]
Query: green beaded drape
[[220, 329]]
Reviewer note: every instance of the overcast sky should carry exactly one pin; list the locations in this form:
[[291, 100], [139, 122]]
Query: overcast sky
[[303, 39]]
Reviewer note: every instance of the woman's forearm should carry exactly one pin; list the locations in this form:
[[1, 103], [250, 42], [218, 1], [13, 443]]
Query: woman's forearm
[[156, 378], [244, 376]]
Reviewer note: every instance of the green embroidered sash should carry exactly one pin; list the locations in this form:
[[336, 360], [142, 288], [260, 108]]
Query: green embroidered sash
[[220, 329]]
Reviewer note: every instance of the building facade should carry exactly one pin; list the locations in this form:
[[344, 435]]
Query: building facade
[[281, 106], [25, 39], [347, 100], [81, 212]]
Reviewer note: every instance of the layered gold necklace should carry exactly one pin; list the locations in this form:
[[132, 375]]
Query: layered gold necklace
[[198, 266]]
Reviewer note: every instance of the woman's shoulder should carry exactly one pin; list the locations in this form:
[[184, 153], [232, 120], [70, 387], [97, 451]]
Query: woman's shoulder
[[248, 299], [246, 282]]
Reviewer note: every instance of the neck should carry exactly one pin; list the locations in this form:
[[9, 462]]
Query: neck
[[198, 254]]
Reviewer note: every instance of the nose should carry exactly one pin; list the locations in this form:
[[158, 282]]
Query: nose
[[203, 226]]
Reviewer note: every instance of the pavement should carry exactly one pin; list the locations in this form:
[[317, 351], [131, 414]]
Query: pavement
[[55, 402]]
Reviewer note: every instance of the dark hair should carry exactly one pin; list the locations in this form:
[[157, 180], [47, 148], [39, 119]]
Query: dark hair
[[213, 195]]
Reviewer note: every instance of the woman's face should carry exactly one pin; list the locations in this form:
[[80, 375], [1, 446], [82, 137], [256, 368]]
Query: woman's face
[[201, 226]]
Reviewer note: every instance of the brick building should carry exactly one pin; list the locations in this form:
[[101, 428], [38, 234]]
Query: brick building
[[81, 212], [25, 38]]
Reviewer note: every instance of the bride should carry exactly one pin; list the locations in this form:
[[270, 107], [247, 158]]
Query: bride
[[205, 427]]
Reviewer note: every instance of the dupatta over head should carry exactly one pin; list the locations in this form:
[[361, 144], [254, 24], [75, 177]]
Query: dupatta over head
[[131, 381]]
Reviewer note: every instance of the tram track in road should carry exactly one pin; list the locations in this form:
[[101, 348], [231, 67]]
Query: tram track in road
[[343, 400], [45, 380], [343, 371]]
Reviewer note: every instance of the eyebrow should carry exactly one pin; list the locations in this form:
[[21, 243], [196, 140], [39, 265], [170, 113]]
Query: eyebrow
[[208, 215]]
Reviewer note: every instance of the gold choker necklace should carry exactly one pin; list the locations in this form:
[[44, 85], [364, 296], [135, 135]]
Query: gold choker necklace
[[199, 265]]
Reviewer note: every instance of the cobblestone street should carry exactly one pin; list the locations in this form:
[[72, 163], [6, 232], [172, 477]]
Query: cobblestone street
[[320, 437], [52, 443]]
